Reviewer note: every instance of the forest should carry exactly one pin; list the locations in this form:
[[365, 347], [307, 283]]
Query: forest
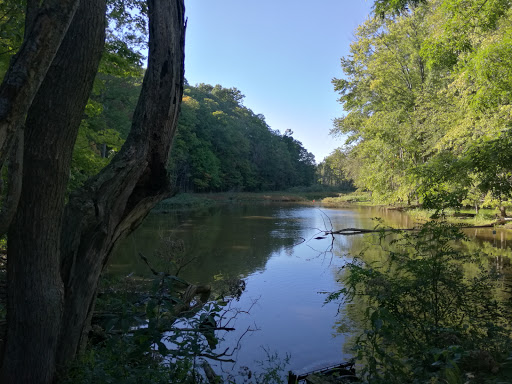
[[427, 95], [220, 144], [94, 135]]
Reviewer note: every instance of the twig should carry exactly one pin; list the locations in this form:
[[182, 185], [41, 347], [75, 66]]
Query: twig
[[214, 357], [145, 259], [184, 265], [323, 218], [302, 240], [156, 273], [200, 330]]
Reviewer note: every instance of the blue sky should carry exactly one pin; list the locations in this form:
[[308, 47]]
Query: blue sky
[[281, 54]]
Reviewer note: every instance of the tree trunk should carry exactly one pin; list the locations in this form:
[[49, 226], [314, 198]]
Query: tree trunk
[[56, 252], [35, 288], [44, 31], [113, 203], [13, 192]]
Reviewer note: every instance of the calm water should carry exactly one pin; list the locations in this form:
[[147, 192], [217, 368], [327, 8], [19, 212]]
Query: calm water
[[287, 271]]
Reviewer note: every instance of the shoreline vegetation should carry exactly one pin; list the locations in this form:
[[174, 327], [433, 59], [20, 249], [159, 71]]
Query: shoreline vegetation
[[329, 199], [184, 201], [464, 215]]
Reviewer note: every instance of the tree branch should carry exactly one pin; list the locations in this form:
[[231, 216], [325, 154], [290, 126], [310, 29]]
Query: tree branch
[[358, 231], [45, 31], [114, 202]]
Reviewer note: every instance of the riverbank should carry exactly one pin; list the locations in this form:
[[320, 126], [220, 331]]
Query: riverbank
[[203, 200], [465, 216], [330, 199]]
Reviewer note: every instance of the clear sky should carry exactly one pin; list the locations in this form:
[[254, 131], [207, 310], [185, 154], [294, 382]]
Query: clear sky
[[281, 54]]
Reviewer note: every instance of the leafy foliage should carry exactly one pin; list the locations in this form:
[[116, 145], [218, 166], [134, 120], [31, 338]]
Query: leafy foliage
[[428, 106], [394, 7], [222, 145], [12, 21], [126, 38], [331, 171], [430, 311]]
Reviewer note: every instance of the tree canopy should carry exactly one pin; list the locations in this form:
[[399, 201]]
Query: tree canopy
[[220, 145], [424, 90]]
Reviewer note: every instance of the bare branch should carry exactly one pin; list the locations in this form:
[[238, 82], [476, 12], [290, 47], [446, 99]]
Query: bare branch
[[359, 231], [201, 330], [216, 358]]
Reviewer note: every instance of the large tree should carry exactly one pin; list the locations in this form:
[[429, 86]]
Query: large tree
[[57, 246], [386, 90], [422, 91]]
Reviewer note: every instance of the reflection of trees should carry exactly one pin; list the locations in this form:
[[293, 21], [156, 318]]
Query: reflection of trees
[[423, 307], [500, 238], [497, 259], [224, 241], [496, 245]]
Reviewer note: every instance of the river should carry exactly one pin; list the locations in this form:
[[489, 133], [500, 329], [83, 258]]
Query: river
[[287, 271]]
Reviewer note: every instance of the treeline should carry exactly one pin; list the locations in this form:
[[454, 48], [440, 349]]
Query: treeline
[[220, 144], [428, 99], [330, 172]]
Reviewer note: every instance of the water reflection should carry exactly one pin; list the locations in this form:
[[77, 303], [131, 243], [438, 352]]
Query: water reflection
[[285, 268], [499, 238]]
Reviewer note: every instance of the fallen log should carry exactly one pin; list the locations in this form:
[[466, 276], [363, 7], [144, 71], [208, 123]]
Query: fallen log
[[321, 375], [359, 231]]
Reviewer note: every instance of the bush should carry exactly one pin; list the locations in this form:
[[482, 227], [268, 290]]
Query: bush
[[430, 311]]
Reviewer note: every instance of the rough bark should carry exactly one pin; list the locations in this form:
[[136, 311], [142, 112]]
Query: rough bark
[[114, 202], [14, 172], [45, 29], [56, 253], [35, 288]]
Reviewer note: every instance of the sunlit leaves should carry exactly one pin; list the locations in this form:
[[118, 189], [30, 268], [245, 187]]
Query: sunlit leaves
[[491, 161], [394, 7], [128, 25], [490, 71], [422, 85], [385, 84], [222, 145], [92, 152], [12, 27]]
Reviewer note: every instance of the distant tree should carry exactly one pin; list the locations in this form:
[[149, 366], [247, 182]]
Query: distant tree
[[334, 170], [222, 145]]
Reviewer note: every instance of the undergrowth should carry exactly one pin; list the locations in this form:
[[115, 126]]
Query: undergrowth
[[427, 311]]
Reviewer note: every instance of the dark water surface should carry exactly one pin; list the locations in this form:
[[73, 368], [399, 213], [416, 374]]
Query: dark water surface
[[287, 271]]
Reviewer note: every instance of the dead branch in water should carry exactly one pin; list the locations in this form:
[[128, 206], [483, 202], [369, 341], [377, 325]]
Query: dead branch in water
[[358, 231]]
